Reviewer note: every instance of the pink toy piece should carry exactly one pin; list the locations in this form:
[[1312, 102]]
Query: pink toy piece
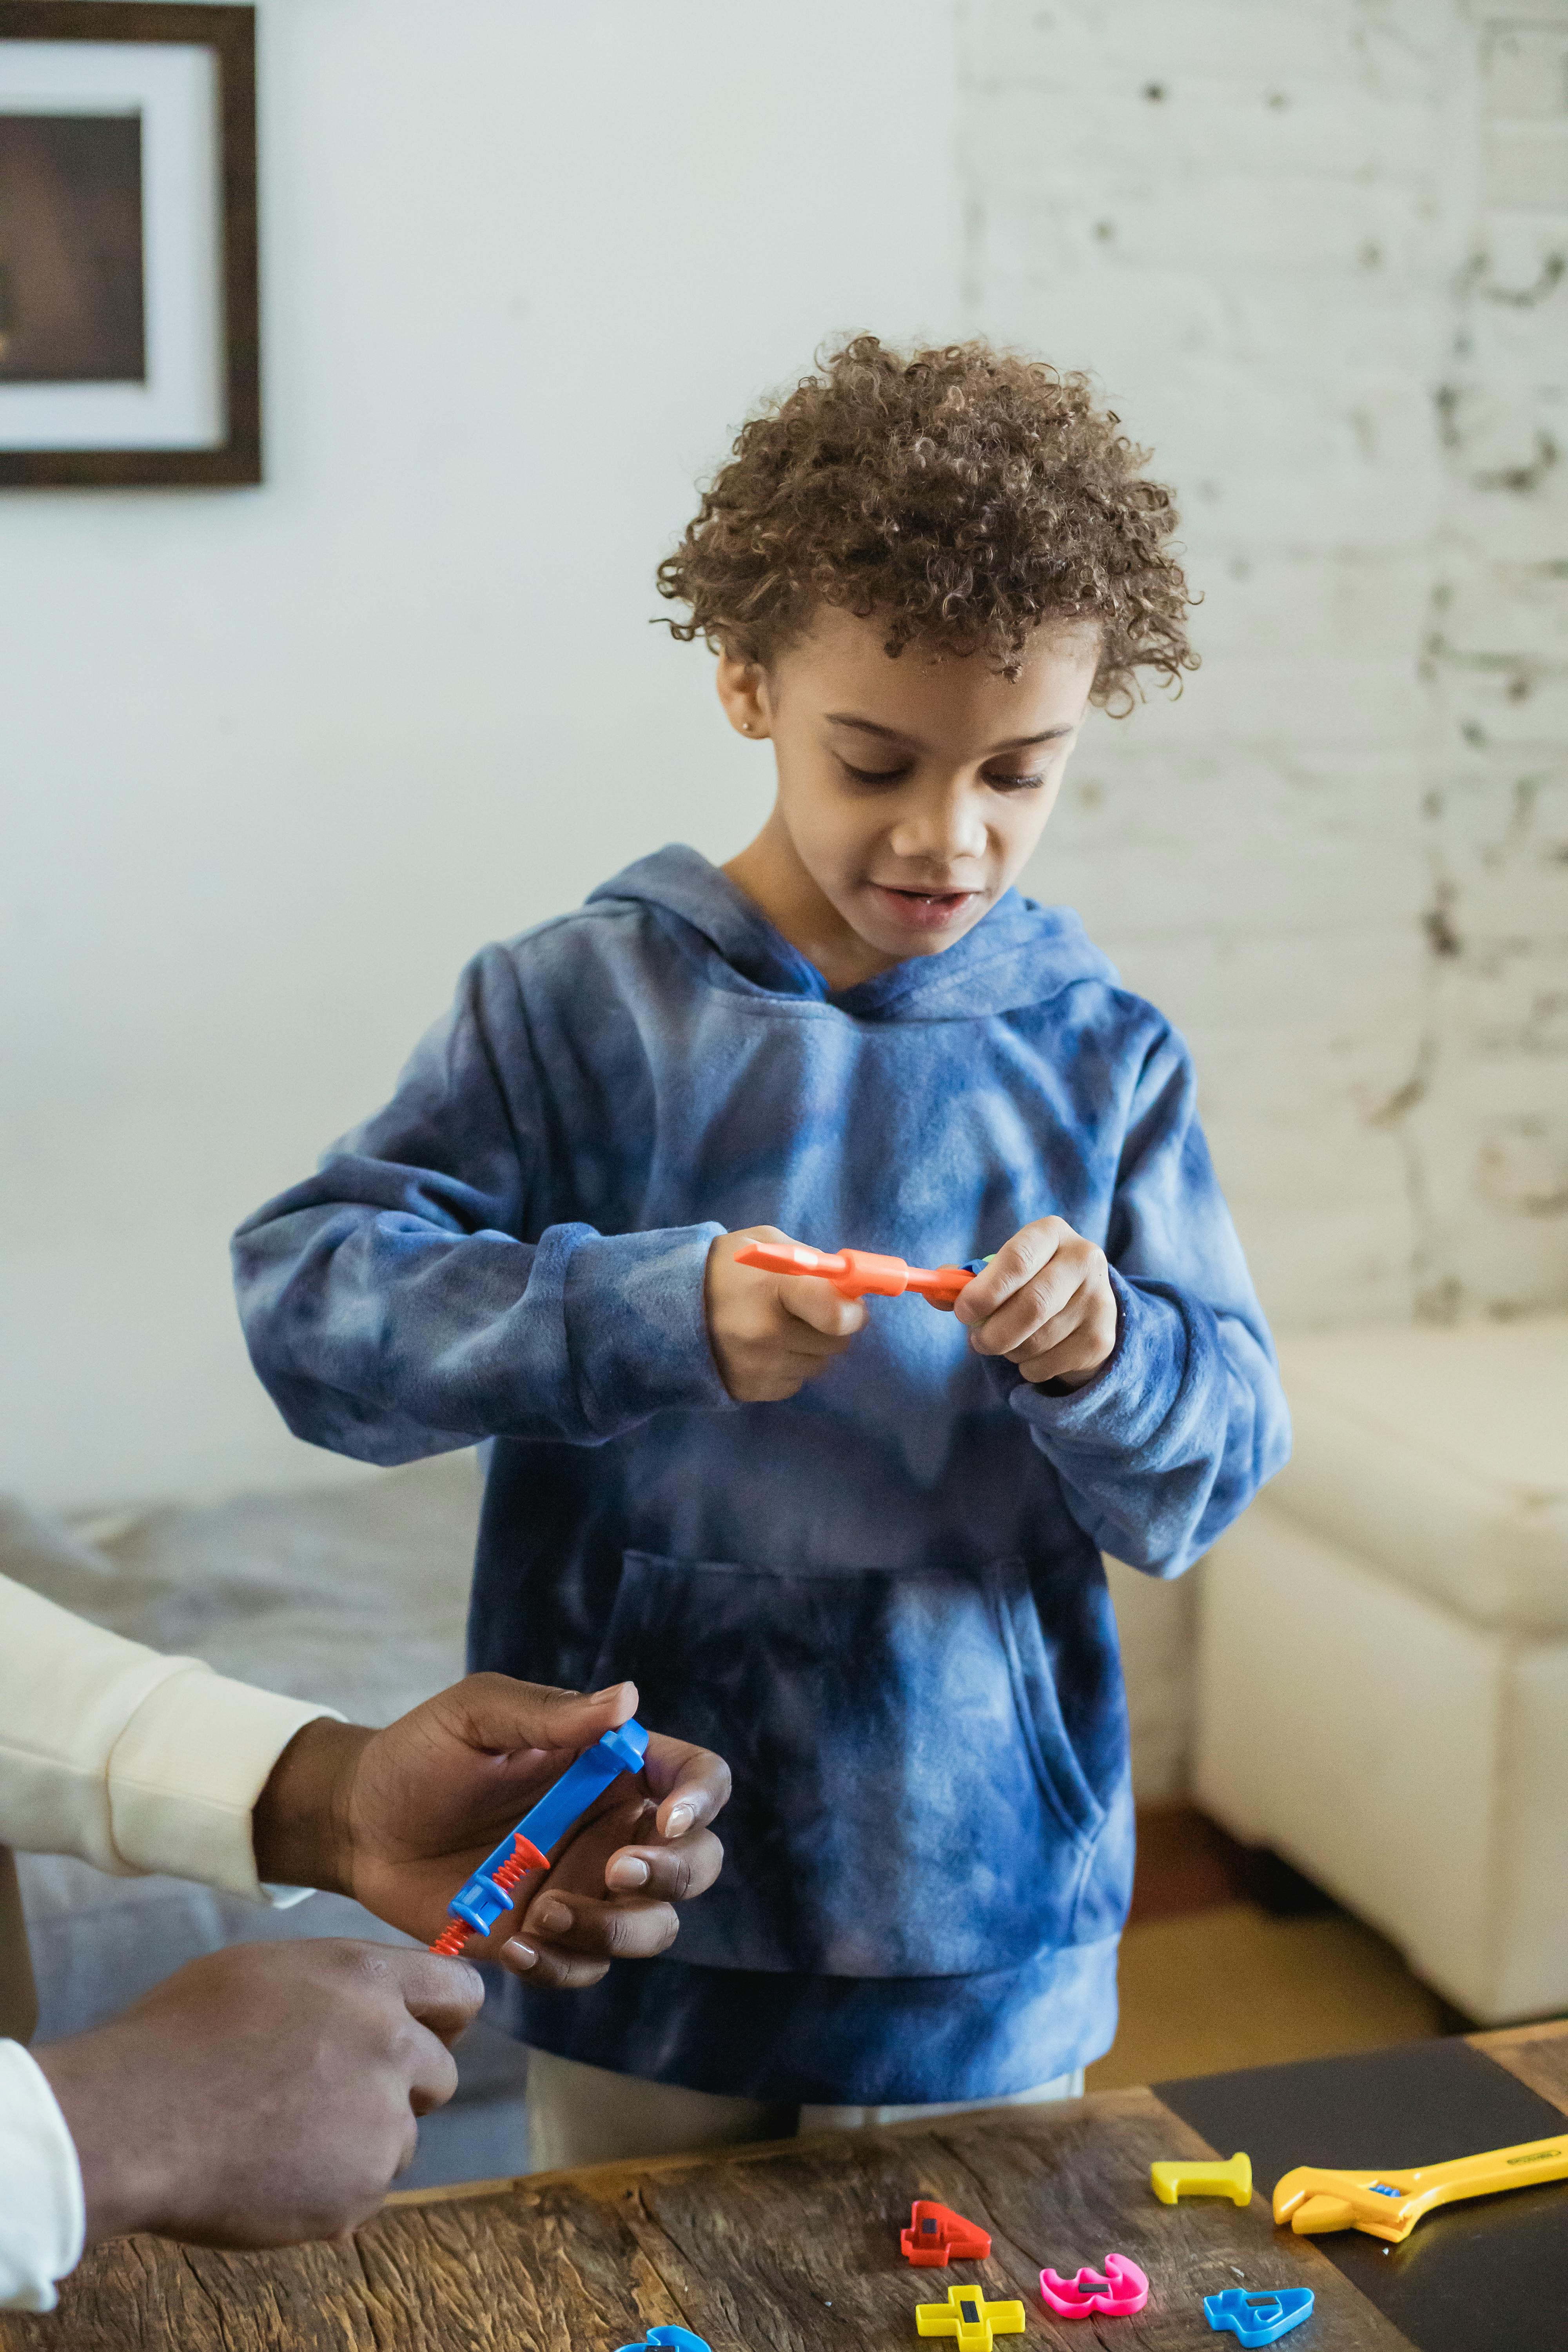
[[1123, 2289]]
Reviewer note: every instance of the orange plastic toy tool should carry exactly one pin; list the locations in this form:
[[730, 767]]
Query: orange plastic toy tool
[[856, 1271]]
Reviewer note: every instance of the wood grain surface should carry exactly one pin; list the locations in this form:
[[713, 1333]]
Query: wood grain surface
[[787, 2249], [1538, 2055]]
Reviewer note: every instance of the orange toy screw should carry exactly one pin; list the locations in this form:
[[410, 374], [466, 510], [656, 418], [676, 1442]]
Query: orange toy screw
[[853, 1273]]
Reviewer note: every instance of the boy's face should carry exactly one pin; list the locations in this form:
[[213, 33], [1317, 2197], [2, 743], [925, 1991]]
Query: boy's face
[[910, 791]]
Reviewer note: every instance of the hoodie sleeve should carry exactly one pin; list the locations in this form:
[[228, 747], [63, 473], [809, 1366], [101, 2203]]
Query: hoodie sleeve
[[1170, 1440], [399, 1304]]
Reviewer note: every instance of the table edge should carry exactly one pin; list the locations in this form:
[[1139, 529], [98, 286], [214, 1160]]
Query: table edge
[[605, 2181], [1511, 2047], [1507, 2046]]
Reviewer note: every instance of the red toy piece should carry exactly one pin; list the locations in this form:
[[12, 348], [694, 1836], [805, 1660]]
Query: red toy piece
[[853, 1273], [1123, 2289], [524, 1856], [936, 2232]]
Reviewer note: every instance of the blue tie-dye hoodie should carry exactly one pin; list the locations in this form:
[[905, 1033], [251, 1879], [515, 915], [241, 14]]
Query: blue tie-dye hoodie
[[882, 1600]]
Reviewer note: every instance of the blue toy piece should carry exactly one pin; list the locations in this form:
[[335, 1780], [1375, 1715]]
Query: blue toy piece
[[1258, 2319], [480, 1900], [668, 2339]]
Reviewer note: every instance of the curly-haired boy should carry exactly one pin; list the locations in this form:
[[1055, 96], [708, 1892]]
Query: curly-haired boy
[[856, 1553]]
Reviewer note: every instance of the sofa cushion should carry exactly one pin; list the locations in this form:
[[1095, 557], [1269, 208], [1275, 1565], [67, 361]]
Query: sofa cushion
[[1442, 1455]]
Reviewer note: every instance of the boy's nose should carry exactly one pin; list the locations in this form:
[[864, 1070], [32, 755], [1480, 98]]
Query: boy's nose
[[939, 832]]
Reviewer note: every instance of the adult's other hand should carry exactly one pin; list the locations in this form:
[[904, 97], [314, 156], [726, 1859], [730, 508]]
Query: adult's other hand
[[262, 2094]]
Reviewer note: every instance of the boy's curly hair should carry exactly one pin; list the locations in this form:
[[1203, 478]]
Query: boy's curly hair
[[962, 496]]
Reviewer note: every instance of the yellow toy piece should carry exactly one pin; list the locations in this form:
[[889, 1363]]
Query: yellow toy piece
[[968, 2315], [1389, 2204], [1171, 2181]]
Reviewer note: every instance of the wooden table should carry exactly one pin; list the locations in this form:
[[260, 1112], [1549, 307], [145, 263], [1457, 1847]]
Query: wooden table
[[794, 2247]]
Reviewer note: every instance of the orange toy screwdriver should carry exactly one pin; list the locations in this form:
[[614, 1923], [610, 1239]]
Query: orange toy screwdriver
[[853, 1273]]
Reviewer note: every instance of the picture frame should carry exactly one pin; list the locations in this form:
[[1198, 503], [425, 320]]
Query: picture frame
[[129, 328]]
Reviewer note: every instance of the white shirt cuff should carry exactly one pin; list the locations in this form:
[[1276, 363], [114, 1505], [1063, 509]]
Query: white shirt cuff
[[43, 2217]]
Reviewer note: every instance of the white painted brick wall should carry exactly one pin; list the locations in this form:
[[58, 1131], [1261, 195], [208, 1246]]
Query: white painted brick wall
[[1317, 252]]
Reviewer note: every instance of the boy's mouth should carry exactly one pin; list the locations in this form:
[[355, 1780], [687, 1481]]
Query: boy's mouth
[[922, 910]]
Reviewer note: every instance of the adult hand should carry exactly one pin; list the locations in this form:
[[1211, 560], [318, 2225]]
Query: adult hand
[[262, 2094], [771, 1333], [1045, 1302], [399, 1818]]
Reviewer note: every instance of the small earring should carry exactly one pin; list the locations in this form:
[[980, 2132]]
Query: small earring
[[745, 726]]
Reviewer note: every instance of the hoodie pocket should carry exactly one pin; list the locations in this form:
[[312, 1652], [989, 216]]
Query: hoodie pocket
[[907, 1801]]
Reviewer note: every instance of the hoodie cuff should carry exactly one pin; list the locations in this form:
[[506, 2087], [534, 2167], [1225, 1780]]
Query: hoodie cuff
[[636, 1327], [1130, 1396], [186, 1771]]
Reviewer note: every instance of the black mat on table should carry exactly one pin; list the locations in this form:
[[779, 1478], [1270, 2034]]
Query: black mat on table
[[1492, 2276]]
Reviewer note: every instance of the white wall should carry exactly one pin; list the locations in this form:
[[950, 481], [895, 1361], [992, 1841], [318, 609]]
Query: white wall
[[1317, 253], [274, 762]]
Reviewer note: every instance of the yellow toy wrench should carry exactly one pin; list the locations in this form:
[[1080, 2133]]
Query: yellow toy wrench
[[1389, 2204]]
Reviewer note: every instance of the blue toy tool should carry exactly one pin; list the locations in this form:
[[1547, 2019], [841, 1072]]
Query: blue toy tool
[[482, 1899], [668, 2339], [1258, 2319]]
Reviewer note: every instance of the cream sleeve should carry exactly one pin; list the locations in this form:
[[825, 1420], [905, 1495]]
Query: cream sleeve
[[135, 1762], [132, 1760]]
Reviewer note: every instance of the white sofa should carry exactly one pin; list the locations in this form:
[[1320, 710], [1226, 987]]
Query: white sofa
[[1383, 1679]]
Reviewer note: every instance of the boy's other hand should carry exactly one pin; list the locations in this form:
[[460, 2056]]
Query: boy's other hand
[[771, 1333], [1045, 1302], [399, 1818]]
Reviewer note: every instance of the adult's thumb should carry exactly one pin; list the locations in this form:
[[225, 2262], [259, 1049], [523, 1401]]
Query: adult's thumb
[[504, 1715]]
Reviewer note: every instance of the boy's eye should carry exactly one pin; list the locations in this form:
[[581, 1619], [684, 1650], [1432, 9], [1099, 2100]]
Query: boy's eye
[[874, 776], [1005, 783]]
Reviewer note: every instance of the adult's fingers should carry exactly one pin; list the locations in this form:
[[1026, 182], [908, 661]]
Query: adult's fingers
[[497, 1713], [588, 1929], [444, 1995], [691, 1784], [673, 1873], [541, 1964], [432, 2074]]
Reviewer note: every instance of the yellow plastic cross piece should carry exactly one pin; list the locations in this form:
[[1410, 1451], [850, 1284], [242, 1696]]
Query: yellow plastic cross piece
[[1389, 2204], [1171, 2181], [968, 2315]]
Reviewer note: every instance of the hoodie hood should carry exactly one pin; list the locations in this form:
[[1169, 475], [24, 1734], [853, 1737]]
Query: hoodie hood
[[1019, 953]]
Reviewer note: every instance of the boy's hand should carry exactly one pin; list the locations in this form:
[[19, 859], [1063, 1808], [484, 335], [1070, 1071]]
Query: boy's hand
[[771, 1333], [1045, 1302], [399, 1818]]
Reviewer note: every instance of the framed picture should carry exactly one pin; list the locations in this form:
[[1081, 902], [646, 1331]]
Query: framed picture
[[129, 332]]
